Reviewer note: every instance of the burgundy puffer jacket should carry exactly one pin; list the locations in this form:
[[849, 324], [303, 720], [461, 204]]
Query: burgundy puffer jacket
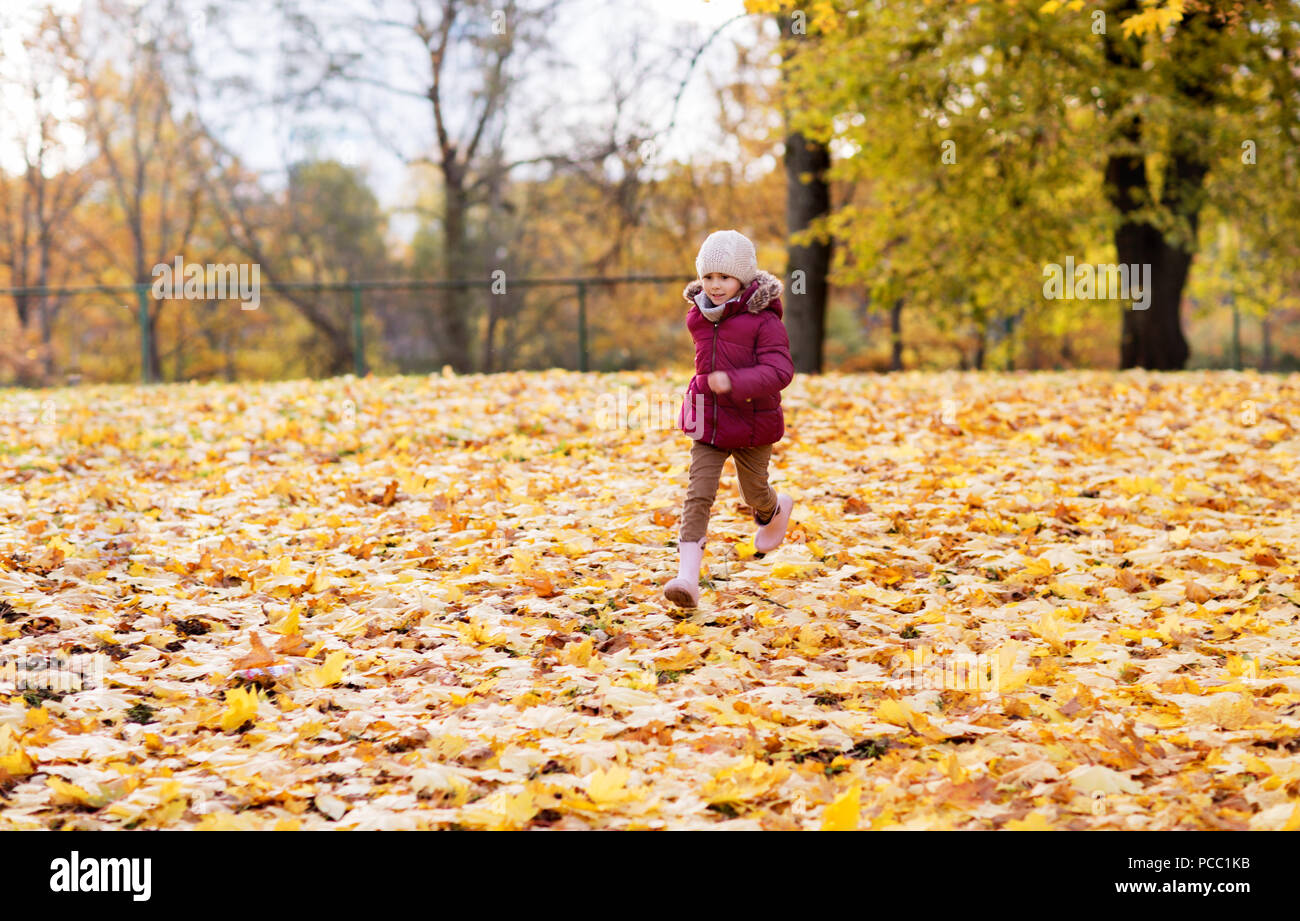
[[749, 342]]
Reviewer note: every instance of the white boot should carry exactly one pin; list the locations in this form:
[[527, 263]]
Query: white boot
[[770, 535], [684, 591]]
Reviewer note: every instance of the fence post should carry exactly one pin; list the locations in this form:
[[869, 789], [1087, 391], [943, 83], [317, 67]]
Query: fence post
[[358, 342], [582, 327], [142, 299]]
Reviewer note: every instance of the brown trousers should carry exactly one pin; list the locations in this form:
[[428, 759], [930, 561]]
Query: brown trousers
[[706, 471]]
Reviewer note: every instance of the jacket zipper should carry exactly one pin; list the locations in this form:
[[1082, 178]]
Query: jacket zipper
[[713, 366]]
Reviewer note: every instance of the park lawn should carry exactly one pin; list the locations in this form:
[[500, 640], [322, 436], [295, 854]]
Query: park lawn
[[1009, 601]]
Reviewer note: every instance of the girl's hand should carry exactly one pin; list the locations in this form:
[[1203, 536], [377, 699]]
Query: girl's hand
[[719, 382]]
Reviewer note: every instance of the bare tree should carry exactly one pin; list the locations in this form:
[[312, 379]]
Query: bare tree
[[152, 159], [474, 57], [467, 48], [38, 207]]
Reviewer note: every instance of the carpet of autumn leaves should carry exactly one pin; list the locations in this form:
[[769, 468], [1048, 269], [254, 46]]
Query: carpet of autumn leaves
[[434, 602]]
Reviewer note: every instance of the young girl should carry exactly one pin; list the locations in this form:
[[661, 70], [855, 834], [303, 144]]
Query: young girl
[[733, 403]]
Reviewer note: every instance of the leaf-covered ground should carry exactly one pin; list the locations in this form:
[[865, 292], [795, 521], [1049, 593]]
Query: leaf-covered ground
[[435, 602]]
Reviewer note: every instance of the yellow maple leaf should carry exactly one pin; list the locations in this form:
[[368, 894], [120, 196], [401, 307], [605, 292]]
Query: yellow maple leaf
[[577, 653], [241, 706], [480, 632], [1036, 568], [503, 811], [1164, 720], [1168, 624], [1256, 765], [896, 712], [885, 819], [1049, 630], [1087, 651], [1014, 681], [69, 794], [1035, 821], [1241, 665], [1227, 711], [680, 660], [746, 780], [288, 625], [320, 583], [331, 672], [15, 762], [843, 814], [226, 821], [608, 786]]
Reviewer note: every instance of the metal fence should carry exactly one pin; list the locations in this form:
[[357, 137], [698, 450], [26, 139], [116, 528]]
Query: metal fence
[[389, 326]]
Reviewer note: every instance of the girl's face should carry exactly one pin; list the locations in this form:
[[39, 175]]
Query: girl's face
[[720, 288]]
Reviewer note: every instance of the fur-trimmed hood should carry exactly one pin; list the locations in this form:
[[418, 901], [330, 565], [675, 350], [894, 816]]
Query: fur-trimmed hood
[[761, 293]]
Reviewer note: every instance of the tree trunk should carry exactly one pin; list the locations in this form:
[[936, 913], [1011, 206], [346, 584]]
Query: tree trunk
[[1266, 346], [44, 305], [489, 353], [896, 335], [155, 359], [455, 348], [1008, 333], [47, 337], [512, 340], [808, 264], [1153, 338], [1236, 335], [228, 354], [1150, 338]]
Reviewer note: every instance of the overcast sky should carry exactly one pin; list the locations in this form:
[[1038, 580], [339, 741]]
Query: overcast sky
[[590, 30]]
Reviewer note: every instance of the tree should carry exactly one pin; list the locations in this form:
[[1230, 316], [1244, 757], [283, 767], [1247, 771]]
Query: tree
[[38, 236], [153, 160], [469, 51], [1133, 92], [953, 130], [1167, 97], [808, 204]]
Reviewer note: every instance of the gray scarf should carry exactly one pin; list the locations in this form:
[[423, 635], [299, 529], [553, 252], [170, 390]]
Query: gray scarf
[[711, 313]]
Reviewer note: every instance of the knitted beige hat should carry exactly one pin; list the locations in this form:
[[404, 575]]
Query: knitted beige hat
[[730, 253]]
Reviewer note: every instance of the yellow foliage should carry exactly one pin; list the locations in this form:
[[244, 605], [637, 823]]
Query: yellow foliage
[[241, 706], [330, 673], [1162, 666], [843, 813]]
